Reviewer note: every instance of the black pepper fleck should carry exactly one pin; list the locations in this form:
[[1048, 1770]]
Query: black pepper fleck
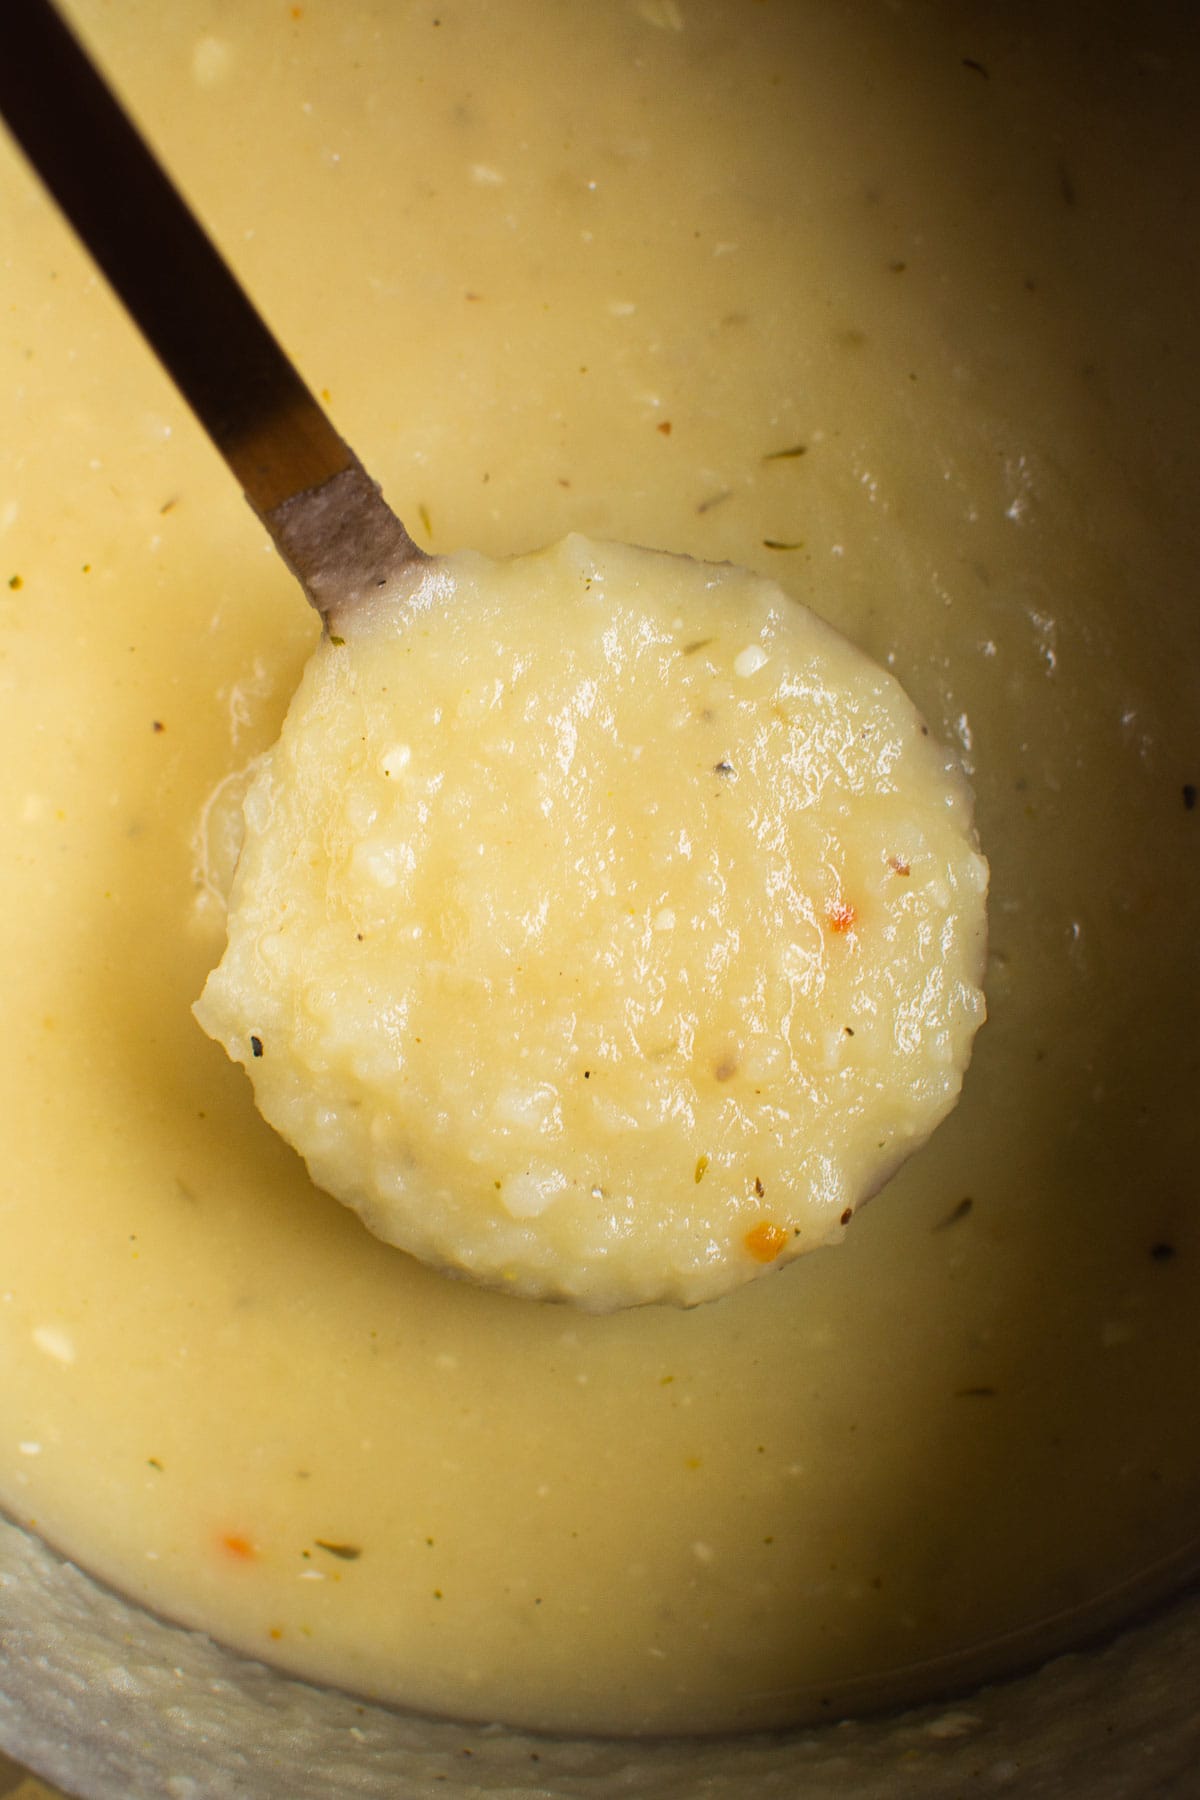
[[959, 1212], [344, 1552], [714, 500], [256, 1046]]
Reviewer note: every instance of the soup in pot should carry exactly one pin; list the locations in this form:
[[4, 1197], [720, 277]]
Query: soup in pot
[[855, 298]]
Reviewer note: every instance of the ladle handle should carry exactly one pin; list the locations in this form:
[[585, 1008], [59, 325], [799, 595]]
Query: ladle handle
[[229, 367]]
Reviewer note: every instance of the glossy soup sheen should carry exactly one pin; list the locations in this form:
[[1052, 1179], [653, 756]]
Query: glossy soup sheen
[[858, 297]]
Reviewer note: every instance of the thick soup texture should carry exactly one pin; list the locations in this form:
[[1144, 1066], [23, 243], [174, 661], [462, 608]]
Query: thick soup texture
[[605, 926], [862, 299]]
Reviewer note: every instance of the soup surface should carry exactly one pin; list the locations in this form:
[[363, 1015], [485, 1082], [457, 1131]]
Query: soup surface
[[857, 297]]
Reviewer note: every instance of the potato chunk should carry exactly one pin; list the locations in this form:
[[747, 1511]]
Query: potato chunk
[[606, 927]]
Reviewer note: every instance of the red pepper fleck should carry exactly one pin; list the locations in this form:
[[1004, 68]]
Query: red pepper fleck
[[841, 916], [765, 1240], [239, 1547]]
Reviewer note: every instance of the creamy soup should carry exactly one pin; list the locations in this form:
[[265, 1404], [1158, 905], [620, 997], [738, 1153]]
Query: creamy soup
[[605, 927], [809, 291]]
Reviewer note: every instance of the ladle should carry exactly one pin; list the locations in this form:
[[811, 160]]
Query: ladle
[[326, 516], [598, 1220]]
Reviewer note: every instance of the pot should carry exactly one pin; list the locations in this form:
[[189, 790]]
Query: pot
[[116, 1705], [1084, 1081]]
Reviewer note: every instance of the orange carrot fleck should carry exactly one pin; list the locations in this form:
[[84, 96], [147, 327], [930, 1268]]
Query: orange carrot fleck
[[841, 916], [237, 1546], [765, 1240]]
